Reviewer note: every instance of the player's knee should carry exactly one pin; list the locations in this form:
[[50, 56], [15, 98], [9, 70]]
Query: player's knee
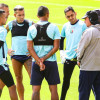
[[53, 90], [35, 94], [19, 78]]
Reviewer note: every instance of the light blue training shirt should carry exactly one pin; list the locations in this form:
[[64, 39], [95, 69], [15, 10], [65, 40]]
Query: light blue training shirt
[[73, 34], [3, 34], [52, 32], [19, 43]]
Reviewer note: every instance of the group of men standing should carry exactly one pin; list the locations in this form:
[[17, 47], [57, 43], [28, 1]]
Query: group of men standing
[[41, 41]]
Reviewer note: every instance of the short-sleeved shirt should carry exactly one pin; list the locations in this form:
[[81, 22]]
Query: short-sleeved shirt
[[3, 49], [19, 43], [73, 34], [52, 32]]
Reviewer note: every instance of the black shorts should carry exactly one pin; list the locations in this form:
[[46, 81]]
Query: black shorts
[[7, 78], [50, 73], [21, 58]]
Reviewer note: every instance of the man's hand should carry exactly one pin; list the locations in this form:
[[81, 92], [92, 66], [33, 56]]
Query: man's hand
[[41, 65], [78, 63], [10, 52], [28, 54]]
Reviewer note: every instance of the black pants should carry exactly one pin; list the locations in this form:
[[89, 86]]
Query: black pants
[[68, 70]]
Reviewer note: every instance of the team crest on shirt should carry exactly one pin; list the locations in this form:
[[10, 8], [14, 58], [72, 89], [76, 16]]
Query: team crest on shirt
[[71, 31]]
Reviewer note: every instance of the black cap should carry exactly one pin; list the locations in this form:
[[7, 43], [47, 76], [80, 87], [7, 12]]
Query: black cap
[[98, 12], [93, 17]]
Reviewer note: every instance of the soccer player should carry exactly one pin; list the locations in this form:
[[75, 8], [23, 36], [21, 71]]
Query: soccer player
[[6, 9], [18, 28], [72, 31], [43, 43], [5, 74], [88, 56]]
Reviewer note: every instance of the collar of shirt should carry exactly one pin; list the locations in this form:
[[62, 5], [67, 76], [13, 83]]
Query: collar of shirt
[[42, 22]]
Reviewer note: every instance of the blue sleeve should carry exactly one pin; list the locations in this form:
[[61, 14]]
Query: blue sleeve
[[31, 33], [57, 33], [2, 37], [30, 23], [84, 27], [10, 25], [63, 31]]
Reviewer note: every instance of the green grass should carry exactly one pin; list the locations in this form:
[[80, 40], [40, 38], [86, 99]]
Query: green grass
[[56, 8]]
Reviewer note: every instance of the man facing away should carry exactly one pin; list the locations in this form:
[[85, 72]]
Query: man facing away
[[5, 74], [43, 43], [18, 28], [72, 31], [89, 58]]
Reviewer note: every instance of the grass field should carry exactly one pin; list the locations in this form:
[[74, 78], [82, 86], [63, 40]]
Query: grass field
[[56, 8]]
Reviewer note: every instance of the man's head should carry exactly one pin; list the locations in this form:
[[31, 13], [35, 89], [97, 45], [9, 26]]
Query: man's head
[[5, 8], [43, 13], [19, 13], [3, 18], [91, 18], [98, 12], [70, 14]]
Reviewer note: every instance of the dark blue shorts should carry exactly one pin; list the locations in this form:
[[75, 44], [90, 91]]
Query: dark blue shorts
[[20, 58], [50, 73], [2, 68], [7, 78]]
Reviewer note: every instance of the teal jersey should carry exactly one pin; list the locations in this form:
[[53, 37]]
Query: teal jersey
[[19, 43], [3, 34], [52, 32], [73, 34]]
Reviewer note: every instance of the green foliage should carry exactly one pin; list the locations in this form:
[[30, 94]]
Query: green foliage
[[57, 16]]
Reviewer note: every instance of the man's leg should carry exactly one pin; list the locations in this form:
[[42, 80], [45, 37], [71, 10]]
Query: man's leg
[[13, 93], [86, 79], [96, 86], [28, 66], [7, 79], [53, 90], [17, 67], [36, 92], [68, 70], [1, 86]]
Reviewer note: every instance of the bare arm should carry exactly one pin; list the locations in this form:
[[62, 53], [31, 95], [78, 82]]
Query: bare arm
[[34, 55], [53, 51]]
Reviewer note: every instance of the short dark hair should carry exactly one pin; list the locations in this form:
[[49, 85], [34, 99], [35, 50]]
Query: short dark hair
[[42, 11], [1, 12], [2, 5], [69, 9], [19, 7]]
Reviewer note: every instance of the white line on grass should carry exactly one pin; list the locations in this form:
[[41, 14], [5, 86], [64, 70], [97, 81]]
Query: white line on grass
[[54, 4], [38, 20]]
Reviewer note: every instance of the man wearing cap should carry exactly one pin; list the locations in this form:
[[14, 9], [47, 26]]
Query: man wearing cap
[[88, 56]]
